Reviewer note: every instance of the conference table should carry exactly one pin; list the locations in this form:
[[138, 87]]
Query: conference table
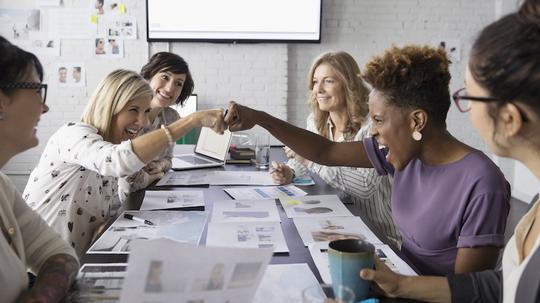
[[298, 253]]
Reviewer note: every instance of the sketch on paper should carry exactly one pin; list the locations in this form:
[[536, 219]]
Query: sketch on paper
[[166, 199], [267, 192], [314, 206]]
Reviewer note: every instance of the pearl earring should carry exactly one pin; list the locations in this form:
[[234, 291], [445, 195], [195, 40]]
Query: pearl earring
[[416, 135]]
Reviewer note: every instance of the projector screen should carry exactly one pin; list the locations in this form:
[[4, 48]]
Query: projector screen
[[234, 20]]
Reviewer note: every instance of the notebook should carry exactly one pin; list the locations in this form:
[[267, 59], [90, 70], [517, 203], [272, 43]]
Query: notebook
[[210, 151]]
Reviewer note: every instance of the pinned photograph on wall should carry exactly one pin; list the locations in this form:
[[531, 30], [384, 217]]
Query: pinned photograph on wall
[[40, 45], [104, 47], [70, 23], [17, 24], [118, 27], [107, 7], [314, 206], [68, 74]]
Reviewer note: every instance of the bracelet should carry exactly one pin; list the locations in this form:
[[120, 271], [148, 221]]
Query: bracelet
[[168, 134]]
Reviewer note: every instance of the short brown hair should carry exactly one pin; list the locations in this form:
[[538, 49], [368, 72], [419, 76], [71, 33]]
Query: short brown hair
[[413, 77]]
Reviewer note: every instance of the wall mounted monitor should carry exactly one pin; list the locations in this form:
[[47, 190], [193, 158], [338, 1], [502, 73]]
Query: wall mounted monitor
[[231, 21]]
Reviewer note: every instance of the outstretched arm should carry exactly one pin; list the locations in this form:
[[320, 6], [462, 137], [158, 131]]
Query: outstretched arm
[[307, 144], [53, 281]]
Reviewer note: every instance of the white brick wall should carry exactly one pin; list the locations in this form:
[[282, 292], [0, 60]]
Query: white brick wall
[[272, 77]]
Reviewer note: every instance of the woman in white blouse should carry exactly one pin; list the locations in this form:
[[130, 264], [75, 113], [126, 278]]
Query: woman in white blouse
[[75, 185], [26, 241], [338, 100]]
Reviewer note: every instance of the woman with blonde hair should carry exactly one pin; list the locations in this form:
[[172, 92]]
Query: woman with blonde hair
[[338, 101], [75, 185]]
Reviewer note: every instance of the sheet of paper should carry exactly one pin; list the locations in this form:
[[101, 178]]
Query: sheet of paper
[[241, 178], [166, 199], [182, 226], [108, 47], [324, 230], [245, 211], [189, 178], [284, 283], [68, 74], [99, 282], [264, 192], [319, 255], [314, 206], [118, 26], [248, 235], [70, 23], [167, 271], [393, 261], [186, 178]]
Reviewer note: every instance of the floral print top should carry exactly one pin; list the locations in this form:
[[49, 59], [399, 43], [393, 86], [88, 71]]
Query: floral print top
[[75, 185]]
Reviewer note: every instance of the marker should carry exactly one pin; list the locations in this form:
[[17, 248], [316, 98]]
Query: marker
[[132, 217]]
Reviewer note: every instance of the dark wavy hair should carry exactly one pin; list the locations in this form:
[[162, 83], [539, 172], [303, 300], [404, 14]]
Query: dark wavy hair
[[413, 76], [15, 63], [169, 62], [505, 58]]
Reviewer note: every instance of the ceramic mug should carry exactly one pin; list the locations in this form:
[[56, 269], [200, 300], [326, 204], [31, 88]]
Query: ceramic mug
[[347, 257]]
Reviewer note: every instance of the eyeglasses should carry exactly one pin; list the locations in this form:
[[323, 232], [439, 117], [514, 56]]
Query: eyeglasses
[[39, 87], [463, 101]]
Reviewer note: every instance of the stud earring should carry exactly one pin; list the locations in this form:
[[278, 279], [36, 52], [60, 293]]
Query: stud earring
[[416, 135]]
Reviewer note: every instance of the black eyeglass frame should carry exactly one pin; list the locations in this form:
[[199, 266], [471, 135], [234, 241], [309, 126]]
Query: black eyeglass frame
[[29, 85], [456, 97]]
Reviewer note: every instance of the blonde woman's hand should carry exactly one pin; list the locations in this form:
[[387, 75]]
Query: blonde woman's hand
[[281, 173], [212, 118]]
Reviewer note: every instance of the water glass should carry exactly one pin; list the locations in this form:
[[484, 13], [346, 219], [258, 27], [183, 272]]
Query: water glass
[[262, 152], [324, 293]]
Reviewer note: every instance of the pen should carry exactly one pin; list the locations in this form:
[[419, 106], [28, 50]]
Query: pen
[[132, 217]]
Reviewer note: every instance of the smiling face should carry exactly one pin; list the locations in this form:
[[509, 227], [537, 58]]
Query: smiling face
[[327, 89], [22, 109], [167, 88], [127, 124], [392, 127]]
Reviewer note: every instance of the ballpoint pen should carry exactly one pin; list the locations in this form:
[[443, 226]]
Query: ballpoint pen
[[132, 217]]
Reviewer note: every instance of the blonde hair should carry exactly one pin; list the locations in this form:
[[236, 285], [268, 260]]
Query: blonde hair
[[111, 95], [355, 93]]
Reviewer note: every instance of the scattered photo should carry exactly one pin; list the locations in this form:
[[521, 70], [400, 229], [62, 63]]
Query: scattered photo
[[314, 206], [266, 192], [167, 199], [324, 230], [119, 27]]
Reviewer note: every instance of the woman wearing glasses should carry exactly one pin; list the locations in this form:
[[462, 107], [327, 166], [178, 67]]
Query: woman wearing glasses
[[75, 184], [502, 95], [449, 200], [26, 240]]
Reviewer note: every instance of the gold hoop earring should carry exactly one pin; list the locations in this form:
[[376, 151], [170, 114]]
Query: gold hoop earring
[[416, 135]]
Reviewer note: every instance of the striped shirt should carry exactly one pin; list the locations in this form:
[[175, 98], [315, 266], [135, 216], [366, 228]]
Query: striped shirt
[[363, 187]]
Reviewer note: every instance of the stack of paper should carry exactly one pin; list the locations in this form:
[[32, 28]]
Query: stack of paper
[[167, 199], [183, 226]]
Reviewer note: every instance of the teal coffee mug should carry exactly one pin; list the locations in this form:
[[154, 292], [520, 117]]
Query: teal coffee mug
[[347, 257]]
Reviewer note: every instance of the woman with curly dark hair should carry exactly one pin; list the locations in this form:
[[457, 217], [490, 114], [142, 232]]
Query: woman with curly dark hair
[[449, 201]]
